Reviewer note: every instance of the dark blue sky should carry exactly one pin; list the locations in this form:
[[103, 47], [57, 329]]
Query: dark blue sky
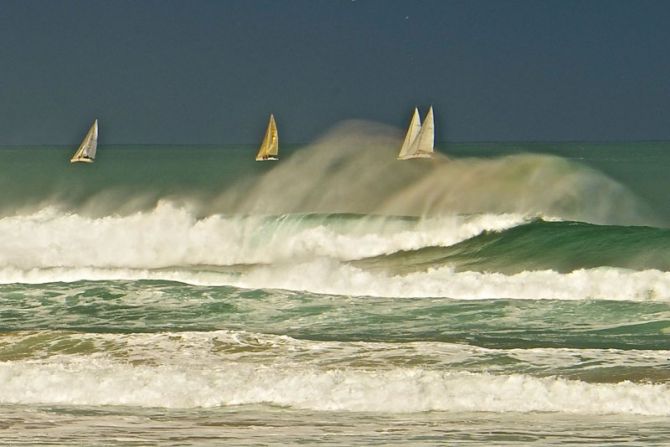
[[211, 71]]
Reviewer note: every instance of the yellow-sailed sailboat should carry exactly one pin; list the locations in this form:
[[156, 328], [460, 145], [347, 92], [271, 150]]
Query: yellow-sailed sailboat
[[269, 149], [88, 147]]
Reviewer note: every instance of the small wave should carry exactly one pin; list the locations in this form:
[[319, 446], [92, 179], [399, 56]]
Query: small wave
[[328, 276], [402, 390], [202, 349]]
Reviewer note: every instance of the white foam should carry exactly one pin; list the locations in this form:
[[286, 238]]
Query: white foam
[[172, 236], [97, 382], [201, 350], [301, 254], [327, 276]]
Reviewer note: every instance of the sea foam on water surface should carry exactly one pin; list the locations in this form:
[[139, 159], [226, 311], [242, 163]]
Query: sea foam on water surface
[[171, 236], [287, 252], [331, 277], [100, 382]]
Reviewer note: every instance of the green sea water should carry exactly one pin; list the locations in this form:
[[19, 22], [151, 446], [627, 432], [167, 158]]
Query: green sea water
[[498, 294]]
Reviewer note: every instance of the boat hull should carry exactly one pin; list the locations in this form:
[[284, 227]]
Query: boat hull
[[419, 155]]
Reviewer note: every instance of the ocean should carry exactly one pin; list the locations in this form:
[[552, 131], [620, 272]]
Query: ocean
[[497, 294]]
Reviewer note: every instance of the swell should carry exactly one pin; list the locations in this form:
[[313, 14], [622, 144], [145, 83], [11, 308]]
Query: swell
[[542, 245], [125, 307]]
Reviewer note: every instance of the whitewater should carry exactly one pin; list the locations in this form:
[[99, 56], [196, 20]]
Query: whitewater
[[502, 294]]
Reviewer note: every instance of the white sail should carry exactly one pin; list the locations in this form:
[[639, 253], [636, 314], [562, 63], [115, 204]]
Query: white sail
[[410, 136], [88, 147], [423, 144], [269, 149], [426, 138]]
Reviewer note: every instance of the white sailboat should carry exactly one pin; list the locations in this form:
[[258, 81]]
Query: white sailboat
[[419, 143], [88, 147], [269, 149], [410, 136]]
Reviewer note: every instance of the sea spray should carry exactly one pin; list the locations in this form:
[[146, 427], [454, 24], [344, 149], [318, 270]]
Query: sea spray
[[353, 169], [169, 236]]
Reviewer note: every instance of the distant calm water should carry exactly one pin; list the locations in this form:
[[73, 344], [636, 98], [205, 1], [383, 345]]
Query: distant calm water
[[509, 294]]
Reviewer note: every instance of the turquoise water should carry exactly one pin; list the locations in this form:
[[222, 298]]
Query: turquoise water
[[504, 294]]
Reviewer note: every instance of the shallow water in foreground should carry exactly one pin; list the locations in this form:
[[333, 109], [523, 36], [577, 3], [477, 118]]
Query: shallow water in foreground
[[257, 425]]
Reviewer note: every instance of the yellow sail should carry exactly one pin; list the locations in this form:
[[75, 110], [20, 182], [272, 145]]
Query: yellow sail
[[88, 147], [269, 149]]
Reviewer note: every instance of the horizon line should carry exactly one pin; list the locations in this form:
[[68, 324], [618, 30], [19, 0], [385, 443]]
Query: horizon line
[[450, 142]]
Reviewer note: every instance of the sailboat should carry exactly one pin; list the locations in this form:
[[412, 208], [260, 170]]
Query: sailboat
[[269, 149], [88, 147], [420, 139], [410, 136]]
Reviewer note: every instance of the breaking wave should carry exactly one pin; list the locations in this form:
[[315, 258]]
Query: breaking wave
[[401, 390]]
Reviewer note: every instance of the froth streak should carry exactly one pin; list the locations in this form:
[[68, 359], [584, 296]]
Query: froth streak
[[97, 382], [330, 277], [353, 169]]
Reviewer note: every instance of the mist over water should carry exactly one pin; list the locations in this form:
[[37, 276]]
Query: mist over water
[[353, 169]]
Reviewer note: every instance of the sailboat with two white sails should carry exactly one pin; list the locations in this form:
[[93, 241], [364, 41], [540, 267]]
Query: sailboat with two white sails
[[88, 147], [420, 139]]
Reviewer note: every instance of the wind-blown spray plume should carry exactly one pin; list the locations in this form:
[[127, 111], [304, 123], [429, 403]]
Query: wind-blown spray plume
[[353, 169]]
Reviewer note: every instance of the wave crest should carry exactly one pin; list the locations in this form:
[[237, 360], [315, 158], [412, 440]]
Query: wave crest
[[402, 390]]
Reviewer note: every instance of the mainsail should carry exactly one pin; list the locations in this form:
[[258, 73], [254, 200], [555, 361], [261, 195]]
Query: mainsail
[[412, 132], [269, 149], [87, 148], [423, 144]]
